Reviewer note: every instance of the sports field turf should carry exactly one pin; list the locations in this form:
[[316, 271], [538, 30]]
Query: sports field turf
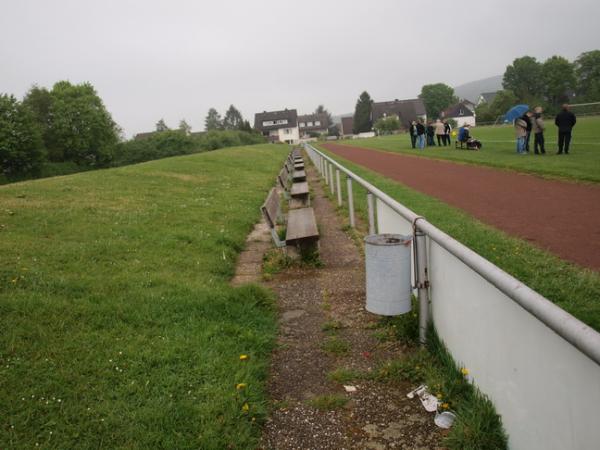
[[118, 326], [582, 164]]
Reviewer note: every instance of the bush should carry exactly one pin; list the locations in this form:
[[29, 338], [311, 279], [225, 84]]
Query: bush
[[172, 143]]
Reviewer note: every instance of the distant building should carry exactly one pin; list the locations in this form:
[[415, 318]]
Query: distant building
[[461, 113], [278, 126], [486, 97], [469, 104], [347, 125], [141, 136], [313, 123], [406, 110]]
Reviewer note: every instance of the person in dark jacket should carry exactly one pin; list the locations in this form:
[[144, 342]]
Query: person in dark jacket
[[430, 134], [447, 132], [420, 135], [527, 119], [565, 121], [412, 130]]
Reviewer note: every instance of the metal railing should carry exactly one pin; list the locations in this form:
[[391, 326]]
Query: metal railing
[[580, 335]]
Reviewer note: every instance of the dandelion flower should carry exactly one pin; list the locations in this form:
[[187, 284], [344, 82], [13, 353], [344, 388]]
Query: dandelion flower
[[243, 357], [464, 371], [445, 405], [241, 386], [246, 407]]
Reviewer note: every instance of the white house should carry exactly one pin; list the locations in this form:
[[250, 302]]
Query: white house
[[461, 113], [278, 126]]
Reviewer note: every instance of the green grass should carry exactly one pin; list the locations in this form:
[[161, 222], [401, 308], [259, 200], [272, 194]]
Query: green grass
[[328, 402], [574, 289], [583, 164], [119, 327], [336, 345]]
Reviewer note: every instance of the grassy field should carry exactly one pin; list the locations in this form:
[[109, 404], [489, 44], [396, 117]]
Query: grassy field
[[582, 164], [574, 289], [119, 327]]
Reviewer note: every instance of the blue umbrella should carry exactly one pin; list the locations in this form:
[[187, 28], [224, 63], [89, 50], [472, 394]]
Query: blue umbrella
[[515, 112]]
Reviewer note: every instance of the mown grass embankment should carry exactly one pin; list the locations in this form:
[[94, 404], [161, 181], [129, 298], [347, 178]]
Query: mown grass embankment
[[582, 164], [574, 289], [119, 327]]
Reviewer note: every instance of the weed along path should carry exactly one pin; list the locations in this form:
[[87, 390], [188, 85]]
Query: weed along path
[[328, 340], [559, 216]]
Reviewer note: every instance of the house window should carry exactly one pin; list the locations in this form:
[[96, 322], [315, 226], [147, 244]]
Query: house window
[[317, 123], [302, 124], [268, 123], [287, 131], [282, 122], [310, 124], [461, 112]]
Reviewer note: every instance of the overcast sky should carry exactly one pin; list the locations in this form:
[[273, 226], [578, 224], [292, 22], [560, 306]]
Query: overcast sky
[[175, 59]]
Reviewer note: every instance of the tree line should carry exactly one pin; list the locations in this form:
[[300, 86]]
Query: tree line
[[68, 129], [527, 80]]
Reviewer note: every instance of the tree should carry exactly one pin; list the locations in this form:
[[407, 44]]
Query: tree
[[558, 76], [21, 146], [80, 128], [524, 78], [161, 126], [587, 69], [39, 102], [246, 127], [362, 113], [387, 125], [184, 127], [213, 120], [322, 110], [437, 97], [233, 119]]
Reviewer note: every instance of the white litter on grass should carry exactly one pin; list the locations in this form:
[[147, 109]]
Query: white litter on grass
[[445, 419], [429, 402], [350, 388]]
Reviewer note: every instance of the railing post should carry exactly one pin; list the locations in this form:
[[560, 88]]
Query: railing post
[[421, 274], [338, 187], [371, 207], [350, 201], [331, 183], [325, 171]]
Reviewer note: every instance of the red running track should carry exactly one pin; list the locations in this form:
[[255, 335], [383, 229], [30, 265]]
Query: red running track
[[559, 216]]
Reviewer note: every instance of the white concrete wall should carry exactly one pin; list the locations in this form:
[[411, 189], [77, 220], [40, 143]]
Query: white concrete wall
[[547, 391], [293, 135], [461, 121]]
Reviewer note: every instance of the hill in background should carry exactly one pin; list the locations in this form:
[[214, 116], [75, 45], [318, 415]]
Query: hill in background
[[471, 90]]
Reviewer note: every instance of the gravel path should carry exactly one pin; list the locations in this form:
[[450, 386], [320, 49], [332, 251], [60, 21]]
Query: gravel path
[[559, 216], [376, 416]]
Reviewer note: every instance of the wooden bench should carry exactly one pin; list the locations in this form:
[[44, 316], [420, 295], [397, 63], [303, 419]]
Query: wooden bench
[[301, 223], [298, 193], [296, 175]]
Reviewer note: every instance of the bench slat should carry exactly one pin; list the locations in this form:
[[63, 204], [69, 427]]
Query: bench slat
[[271, 208], [299, 189], [301, 224], [299, 175]]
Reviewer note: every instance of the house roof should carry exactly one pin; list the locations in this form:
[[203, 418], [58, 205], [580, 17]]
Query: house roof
[[144, 135], [347, 125], [487, 97], [406, 110], [290, 114], [313, 118], [458, 110]]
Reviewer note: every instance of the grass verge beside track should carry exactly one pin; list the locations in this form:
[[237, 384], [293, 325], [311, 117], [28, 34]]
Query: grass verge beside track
[[119, 327], [583, 164], [574, 289]]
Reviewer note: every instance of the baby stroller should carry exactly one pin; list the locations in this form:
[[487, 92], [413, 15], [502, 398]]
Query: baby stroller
[[464, 138]]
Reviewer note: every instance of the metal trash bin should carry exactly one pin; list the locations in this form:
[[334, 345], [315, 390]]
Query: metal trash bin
[[388, 269]]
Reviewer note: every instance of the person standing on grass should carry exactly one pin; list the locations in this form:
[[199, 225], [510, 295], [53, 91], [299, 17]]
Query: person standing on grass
[[447, 132], [412, 130], [537, 127], [521, 133], [430, 134], [527, 119], [565, 121], [440, 133], [420, 135]]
